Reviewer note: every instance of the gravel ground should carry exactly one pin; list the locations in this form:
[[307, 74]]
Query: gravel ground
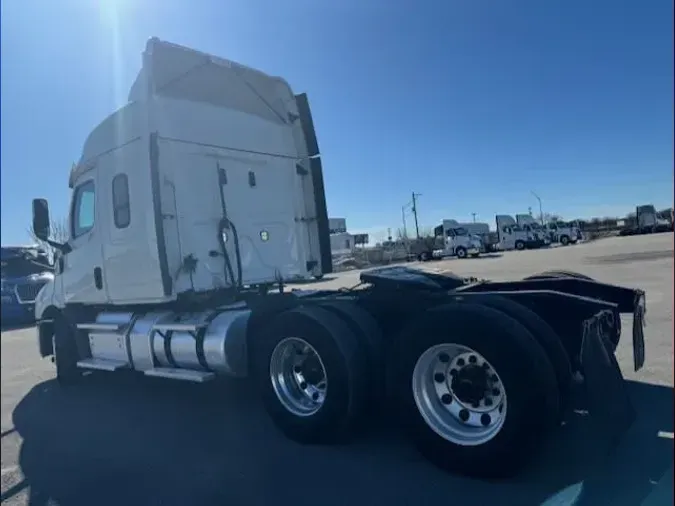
[[129, 441]]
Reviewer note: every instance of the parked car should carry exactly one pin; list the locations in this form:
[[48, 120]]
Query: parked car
[[24, 271]]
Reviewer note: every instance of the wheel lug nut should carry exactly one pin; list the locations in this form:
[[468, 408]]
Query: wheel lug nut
[[473, 359], [444, 357], [315, 396], [439, 377], [485, 419], [464, 415], [460, 362], [303, 385], [446, 398], [495, 392], [485, 366], [494, 378], [453, 372], [297, 369]]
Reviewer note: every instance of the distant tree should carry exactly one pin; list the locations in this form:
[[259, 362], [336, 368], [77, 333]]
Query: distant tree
[[401, 235]]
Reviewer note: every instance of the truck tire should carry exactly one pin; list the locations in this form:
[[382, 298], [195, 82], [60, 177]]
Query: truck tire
[[369, 334], [560, 274], [487, 350], [547, 339], [65, 352], [317, 396], [564, 240], [460, 252], [520, 245]]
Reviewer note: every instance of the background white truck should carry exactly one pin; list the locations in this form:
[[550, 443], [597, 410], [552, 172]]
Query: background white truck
[[192, 205], [533, 227], [489, 239], [452, 240], [646, 221], [563, 232], [513, 236]]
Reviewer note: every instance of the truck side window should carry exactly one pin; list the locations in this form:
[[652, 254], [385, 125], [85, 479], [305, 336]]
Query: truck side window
[[120, 198], [84, 209]]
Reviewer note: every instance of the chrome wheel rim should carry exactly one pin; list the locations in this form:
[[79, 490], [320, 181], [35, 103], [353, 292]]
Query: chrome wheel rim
[[298, 376], [459, 394]]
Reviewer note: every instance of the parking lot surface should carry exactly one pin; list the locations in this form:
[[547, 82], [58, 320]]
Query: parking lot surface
[[134, 441]]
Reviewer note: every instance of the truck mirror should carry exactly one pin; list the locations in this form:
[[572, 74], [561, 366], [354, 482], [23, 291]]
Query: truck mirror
[[41, 227]]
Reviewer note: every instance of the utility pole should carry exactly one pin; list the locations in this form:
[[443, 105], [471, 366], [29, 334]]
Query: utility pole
[[541, 212], [474, 217], [405, 230], [414, 210]]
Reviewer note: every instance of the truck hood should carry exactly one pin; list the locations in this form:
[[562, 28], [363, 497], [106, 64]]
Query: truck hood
[[43, 277]]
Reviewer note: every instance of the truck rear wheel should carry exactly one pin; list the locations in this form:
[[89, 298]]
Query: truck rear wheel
[[547, 339], [520, 245], [460, 252], [312, 375], [369, 334], [65, 352], [480, 384], [564, 240]]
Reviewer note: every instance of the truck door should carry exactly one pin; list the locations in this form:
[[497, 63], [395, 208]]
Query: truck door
[[131, 271], [82, 271], [450, 242]]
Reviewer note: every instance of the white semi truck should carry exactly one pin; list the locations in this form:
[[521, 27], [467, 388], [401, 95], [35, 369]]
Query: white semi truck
[[563, 233], [192, 206], [513, 236], [489, 240], [646, 221], [533, 227], [449, 240], [452, 240]]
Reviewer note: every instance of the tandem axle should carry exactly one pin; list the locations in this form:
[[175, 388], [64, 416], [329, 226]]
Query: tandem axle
[[462, 360]]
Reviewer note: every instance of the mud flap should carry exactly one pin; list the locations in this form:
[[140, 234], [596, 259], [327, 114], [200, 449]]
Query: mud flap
[[639, 323], [608, 403]]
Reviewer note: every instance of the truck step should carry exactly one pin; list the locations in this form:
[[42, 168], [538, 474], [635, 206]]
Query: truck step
[[100, 327], [181, 374], [100, 364], [178, 327]]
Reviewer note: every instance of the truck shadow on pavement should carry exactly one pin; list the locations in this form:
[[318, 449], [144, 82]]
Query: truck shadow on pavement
[[137, 441]]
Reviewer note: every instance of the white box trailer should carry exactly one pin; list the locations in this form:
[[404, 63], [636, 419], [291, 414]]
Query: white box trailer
[[193, 205]]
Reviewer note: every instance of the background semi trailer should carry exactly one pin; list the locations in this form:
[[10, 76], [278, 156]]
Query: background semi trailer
[[194, 203]]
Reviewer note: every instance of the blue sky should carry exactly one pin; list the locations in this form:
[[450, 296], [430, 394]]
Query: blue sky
[[473, 104]]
